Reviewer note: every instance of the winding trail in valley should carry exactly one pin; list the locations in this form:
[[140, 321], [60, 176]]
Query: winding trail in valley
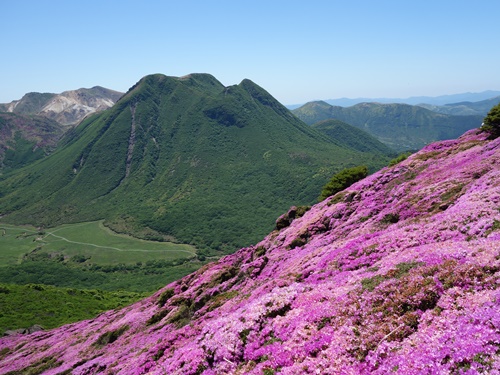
[[99, 246]]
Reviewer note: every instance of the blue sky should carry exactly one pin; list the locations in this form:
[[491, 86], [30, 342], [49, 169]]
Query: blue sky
[[297, 50]]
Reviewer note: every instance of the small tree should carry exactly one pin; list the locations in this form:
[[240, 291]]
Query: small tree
[[491, 123], [343, 180]]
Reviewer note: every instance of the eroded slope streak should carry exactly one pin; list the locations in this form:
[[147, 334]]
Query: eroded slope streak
[[397, 274]]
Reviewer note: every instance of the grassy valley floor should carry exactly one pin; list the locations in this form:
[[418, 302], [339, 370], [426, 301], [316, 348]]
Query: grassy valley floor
[[72, 272]]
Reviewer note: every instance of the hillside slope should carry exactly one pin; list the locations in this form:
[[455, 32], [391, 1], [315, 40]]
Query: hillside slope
[[24, 139], [186, 156], [400, 126], [397, 274], [352, 137]]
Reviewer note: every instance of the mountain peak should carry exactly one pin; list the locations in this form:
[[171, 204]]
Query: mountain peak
[[397, 273], [66, 108], [200, 154]]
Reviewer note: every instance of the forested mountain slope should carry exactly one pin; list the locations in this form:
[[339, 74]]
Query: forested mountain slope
[[186, 157], [400, 126]]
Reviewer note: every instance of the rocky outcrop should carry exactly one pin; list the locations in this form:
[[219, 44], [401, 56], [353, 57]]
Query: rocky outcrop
[[67, 108], [24, 331]]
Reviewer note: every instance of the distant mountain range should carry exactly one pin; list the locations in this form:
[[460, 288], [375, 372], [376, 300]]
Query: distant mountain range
[[400, 126], [67, 108], [480, 108], [187, 158], [414, 100]]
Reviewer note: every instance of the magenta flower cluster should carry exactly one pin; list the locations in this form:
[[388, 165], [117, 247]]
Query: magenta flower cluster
[[397, 274]]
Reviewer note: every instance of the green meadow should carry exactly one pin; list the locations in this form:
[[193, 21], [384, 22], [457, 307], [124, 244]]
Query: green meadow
[[60, 275], [91, 240], [90, 256]]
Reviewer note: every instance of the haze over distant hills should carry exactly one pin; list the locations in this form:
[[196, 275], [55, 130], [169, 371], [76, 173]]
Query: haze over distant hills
[[414, 100], [466, 108], [400, 126]]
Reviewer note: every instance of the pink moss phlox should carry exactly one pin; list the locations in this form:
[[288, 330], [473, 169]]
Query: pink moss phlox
[[400, 274]]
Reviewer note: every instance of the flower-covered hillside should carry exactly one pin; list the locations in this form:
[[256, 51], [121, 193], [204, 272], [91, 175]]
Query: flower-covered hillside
[[397, 274]]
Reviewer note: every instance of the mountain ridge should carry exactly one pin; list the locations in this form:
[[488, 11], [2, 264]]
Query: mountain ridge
[[413, 100], [397, 273], [68, 107], [352, 137], [400, 126], [168, 144], [464, 108]]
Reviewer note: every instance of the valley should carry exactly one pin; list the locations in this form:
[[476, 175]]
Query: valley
[[89, 255], [69, 240], [183, 158], [72, 272], [401, 127], [397, 273], [158, 219]]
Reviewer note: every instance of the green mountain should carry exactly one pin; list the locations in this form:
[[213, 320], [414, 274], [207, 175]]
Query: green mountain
[[185, 157], [400, 126], [24, 139], [352, 137], [480, 108]]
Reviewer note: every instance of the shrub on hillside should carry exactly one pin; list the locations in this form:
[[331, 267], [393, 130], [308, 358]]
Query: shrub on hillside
[[343, 180], [399, 159], [491, 123]]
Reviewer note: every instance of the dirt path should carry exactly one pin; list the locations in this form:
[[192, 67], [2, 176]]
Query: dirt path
[[95, 245], [116, 248]]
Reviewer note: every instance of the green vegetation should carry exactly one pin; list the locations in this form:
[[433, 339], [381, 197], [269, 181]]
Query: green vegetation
[[349, 136], [182, 159], [111, 336], [140, 277], [402, 127], [343, 180], [90, 240], [391, 218], [88, 255], [165, 296], [38, 367], [23, 306], [399, 159], [25, 139], [72, 272], [491, 122], [293, 213], [370, 283]]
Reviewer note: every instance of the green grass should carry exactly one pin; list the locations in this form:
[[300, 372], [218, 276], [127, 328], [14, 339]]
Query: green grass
[[91, 239], [15, 241], [88, 255], [22, 306]]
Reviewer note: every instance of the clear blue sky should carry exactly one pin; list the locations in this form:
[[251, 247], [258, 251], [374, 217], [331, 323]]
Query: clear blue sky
[[297, 50]]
